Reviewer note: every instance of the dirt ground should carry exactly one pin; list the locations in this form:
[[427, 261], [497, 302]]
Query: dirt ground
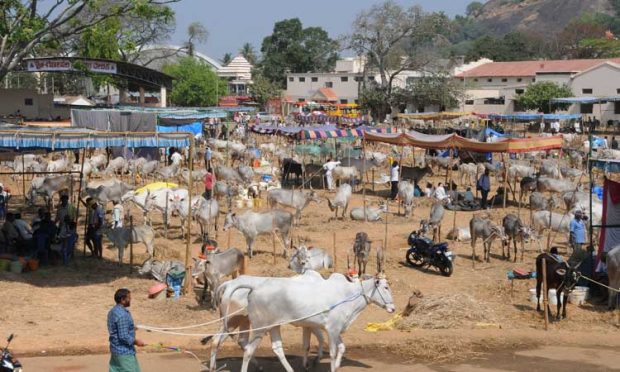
[[61, 310]]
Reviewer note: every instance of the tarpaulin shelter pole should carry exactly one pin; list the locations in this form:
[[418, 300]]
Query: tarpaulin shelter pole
[[505, 180], [590, 232], [190, 184], [362, 176], [77, 210], [23, 177]]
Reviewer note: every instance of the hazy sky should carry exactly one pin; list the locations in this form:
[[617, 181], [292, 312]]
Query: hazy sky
[[231, 23]]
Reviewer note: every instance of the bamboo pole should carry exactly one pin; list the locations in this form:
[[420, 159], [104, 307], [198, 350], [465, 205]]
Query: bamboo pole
[[188, 277], [505, 181], [131, 244], [335, 268], [24, 177], [362, 178], [77, 209], [545, 293], [387, 211]]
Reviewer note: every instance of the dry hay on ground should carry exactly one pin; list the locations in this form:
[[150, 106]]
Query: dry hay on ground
[[451, 311]]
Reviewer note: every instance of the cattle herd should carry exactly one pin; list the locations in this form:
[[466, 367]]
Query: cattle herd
[[551, 186]]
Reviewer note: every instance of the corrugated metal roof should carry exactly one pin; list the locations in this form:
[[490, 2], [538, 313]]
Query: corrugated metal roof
[[530, 68]]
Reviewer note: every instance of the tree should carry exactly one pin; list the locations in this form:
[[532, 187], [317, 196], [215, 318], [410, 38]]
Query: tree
[[474, 9], [394, 39], [227, 58], [292, 48], [567, 44], [600, 48], [195, 83], [436, 89], [248, 52], [538, 95], [515, 46], [25, 26], [196, 33], [262, 89]]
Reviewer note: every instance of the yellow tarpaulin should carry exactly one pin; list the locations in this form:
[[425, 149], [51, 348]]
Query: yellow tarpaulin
[[156, 186], [385, 326]]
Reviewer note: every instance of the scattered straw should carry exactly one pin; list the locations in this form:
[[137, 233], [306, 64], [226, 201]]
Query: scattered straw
[[452, 311]]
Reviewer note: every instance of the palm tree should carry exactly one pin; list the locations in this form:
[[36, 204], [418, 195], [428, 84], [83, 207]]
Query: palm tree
[[248, 52], [226, 59], [197, 33]]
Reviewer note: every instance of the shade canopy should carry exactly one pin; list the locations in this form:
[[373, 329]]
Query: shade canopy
[[525, 116], [447, 141], [19, 138], [318, 132]]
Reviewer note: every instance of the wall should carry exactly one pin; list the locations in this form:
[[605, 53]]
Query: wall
[[12, 100], [297, 89], [604, 82]]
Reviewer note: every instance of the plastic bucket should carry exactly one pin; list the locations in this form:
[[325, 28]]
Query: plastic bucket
[[4, 265], [579, 295], [551, 295], [16, 267]]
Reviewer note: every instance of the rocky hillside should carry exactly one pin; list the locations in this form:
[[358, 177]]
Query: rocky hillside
[[537, 16]]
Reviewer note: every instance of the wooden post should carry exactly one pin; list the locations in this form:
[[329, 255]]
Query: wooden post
[[335, 268], [362, 178], [166, 217], [545, 293], [24, 178], [550, 214], [273, 238], [373, 180], [385, 240], [188, 276], [130, 244], [505, 181]]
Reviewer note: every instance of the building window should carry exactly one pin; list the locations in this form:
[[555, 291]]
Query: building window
[[476, 80], [302, 79], [489, 80], [329, 84], [617, 108], [371, 78], [519, 91], [494, 101], [533, 80], [504, 80], [359, 78], [618, 91], [301, 100], [291, 79], [586, 91], [586, 108], [344, 79], [519, 80], [28, 102], [469, 102], [344, 101], [357, 101], [315, 79]]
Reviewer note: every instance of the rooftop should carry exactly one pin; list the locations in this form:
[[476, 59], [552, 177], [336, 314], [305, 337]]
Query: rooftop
[[531, 68]]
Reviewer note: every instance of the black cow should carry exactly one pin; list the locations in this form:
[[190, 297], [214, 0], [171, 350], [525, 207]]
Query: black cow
[[290, 166], [560, 276]]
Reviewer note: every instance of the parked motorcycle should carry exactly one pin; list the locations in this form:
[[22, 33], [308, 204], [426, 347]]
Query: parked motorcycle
[[424, 252], [7, 362]]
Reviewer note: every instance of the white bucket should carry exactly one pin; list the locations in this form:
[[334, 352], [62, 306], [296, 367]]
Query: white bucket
[[552, 297], [579, 295]]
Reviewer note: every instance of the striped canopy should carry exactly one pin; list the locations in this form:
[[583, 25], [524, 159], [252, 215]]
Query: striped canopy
[[318, 132], [427, 141], [77, 139]]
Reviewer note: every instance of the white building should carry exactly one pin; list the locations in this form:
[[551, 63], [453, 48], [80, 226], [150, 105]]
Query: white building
[[238, 72], [493, 87]]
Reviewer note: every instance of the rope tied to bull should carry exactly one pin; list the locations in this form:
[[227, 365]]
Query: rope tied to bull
[[194, 325], [617, 290]]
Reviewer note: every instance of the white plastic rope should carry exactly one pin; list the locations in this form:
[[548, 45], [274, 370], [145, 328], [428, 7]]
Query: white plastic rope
[[153, 328]]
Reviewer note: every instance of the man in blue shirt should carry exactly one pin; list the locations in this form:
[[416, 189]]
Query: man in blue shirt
[[484, 185], [122, 335], [578, 231]]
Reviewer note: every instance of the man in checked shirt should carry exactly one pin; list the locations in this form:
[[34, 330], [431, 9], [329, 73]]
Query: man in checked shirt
[[122, 335]]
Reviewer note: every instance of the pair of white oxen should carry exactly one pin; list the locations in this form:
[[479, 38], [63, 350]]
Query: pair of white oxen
[[253, 306]]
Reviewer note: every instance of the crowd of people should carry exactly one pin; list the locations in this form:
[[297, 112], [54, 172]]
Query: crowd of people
[[37, 238]]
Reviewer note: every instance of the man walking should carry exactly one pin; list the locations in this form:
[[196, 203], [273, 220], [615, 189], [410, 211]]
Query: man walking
[[394, 176], [329, 168], [484, 185], [122, 335]]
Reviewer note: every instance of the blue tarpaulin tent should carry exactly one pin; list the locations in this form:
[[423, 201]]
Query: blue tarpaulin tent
[[194, 128]]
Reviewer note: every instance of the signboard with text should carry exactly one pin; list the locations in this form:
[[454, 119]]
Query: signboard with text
[[60, 65]]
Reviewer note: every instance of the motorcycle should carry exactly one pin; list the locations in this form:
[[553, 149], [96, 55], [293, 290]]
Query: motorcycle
[[7, 362], [424, 252]]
